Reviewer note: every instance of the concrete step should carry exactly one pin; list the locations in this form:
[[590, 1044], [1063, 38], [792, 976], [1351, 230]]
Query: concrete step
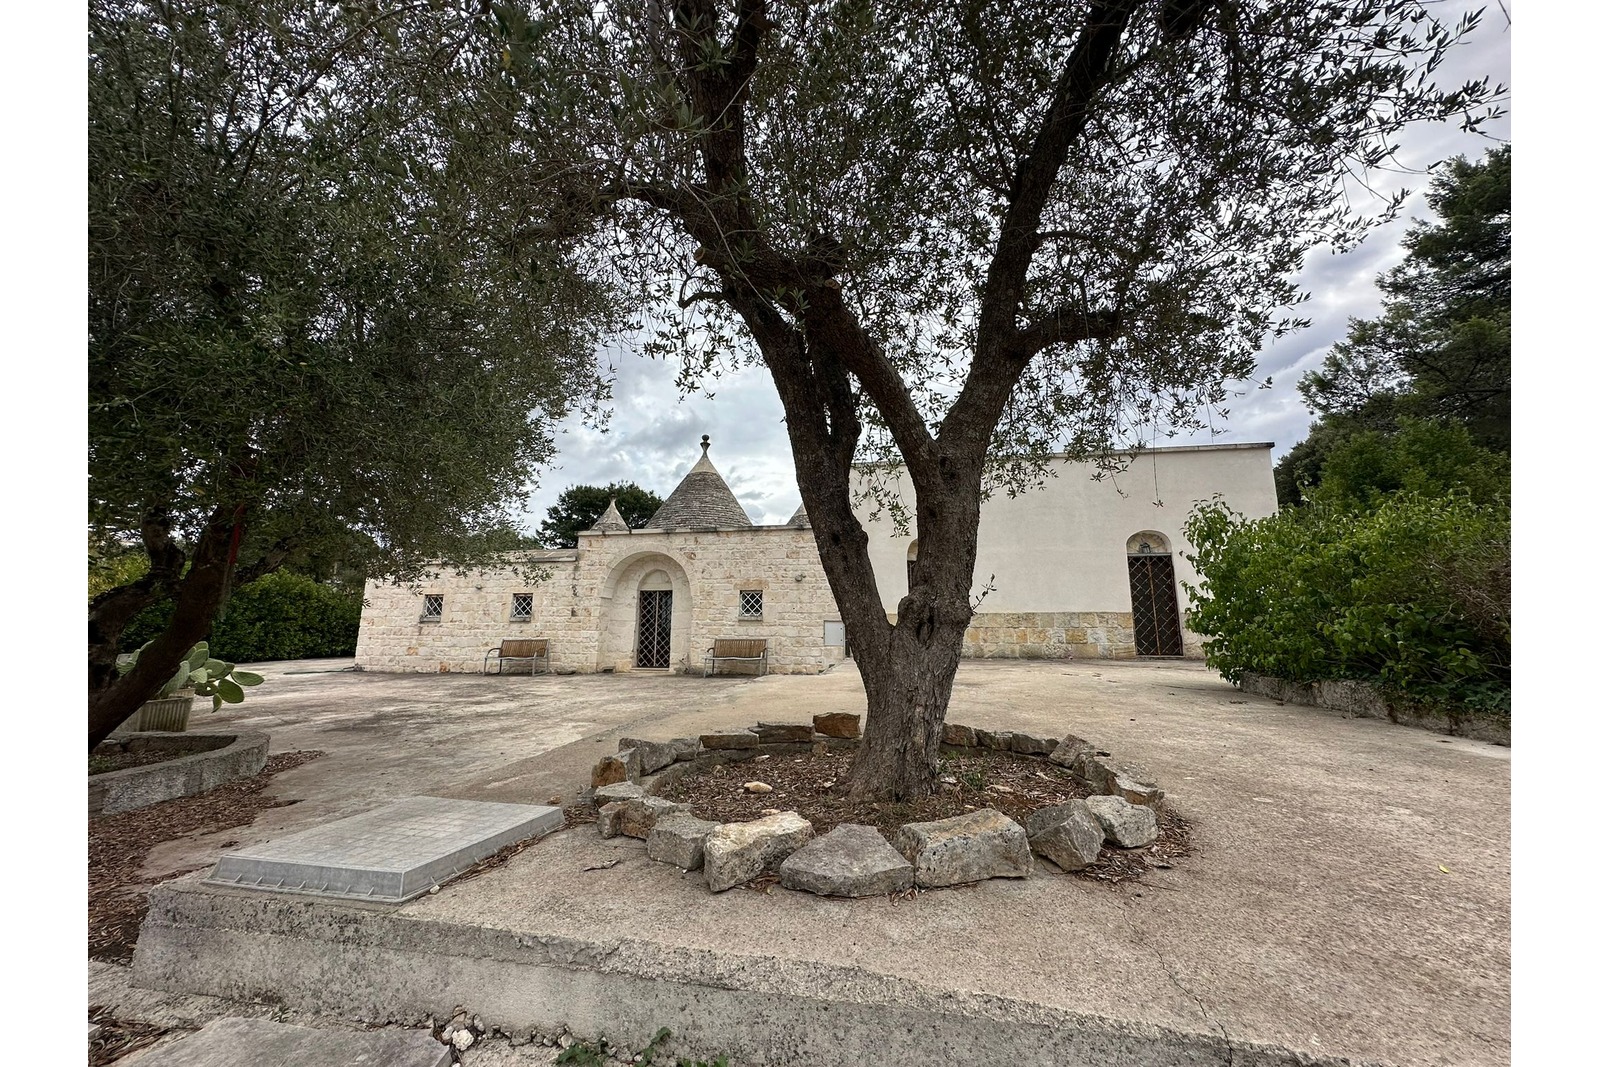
[[519, 973]]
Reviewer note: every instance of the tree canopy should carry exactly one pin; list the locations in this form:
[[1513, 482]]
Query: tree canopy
[[1441, 348], [581, 506], [305, 325]]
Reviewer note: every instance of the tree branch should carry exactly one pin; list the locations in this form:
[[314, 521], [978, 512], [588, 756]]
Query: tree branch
[[1067, 325], [997, 361]]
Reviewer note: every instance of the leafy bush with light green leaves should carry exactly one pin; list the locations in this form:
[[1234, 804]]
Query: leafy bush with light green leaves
[[205, 675], [1412, 594]]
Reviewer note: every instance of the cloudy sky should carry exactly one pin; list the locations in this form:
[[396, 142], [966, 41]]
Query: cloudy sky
[[654, 434]]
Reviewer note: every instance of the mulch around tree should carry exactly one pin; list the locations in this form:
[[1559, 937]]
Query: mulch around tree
[[118, 845], [1012, 784]]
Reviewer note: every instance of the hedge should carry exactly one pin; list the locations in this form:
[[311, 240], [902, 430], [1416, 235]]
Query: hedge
[[1412, 595], [280, 616]]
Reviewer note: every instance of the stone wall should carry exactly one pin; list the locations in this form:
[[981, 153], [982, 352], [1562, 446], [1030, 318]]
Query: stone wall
[[1050, 635], [586, 604], [1358, 698], [1058, 635]]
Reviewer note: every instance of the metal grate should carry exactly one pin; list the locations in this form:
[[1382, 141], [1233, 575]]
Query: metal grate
[[521, 606], [749, 603], [1157, 629], [655, 628], [432, 607]]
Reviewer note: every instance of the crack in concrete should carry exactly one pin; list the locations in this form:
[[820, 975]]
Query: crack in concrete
[[1172, 976]]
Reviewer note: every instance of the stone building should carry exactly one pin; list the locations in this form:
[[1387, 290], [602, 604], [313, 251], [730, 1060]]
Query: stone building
[[1082, 567]]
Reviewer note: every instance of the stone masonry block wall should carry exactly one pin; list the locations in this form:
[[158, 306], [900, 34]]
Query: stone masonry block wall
[[587, 604], [1058, 635], [476, 618], [1050, 635]]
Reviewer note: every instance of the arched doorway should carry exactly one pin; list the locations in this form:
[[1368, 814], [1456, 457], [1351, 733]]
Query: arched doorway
[[1157, 624], [644, 613], [653, 635]]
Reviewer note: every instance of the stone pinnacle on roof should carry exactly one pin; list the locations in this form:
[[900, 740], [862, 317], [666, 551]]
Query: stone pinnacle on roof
[[612, 521], [701, 500], [800, 520]]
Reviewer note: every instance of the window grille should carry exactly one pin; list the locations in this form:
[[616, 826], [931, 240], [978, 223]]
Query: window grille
[[521, 606], [432, 607], [749, 603]]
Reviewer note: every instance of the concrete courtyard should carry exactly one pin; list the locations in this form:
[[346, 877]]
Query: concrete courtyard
[[1348, 896]]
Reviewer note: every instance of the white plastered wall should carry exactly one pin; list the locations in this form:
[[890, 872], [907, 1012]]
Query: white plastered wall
[[1058, 554]]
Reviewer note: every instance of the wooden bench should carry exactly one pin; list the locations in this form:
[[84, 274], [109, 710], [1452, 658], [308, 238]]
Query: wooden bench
[[736, 650], [532, 650]]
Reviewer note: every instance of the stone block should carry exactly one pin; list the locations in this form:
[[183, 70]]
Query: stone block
[[998, 740], [1029, 745], [1135, 792], [849, 861], [1069, 835], [837, 724], [736, 852], [685, 748], [623, 767], [1094, 772], [1067, 752], [606, 794], [653, 755], [610, 818], [679, 839], [1126, 825], [966, 848], [722, 742], [637, 816], [960, 736], [781, 732]]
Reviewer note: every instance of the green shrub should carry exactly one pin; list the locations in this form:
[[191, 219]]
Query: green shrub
[[280, 616], [1411, 594]]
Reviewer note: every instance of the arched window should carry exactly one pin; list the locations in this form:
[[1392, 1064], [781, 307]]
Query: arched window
[[1149, 543], [911, 565], [1157, 625]]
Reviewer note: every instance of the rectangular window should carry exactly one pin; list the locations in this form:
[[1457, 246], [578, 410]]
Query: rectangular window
[[749, 603], [521, 607], [432, 607]]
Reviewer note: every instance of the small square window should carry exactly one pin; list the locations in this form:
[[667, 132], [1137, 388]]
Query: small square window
[[749, 603], [432, 607], [521, 607]]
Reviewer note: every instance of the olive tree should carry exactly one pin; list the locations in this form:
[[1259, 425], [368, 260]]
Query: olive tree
[[962, 236], [307, 327]]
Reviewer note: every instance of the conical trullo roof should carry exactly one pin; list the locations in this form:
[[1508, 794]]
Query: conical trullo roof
[[702, 499], [612, 521], [799, 520]]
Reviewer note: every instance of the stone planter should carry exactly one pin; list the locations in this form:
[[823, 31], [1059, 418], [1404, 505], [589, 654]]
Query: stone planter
[[166, 713]]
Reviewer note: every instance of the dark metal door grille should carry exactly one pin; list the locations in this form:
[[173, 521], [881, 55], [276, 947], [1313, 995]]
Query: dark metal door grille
[[1157, 630], [655, 628]]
